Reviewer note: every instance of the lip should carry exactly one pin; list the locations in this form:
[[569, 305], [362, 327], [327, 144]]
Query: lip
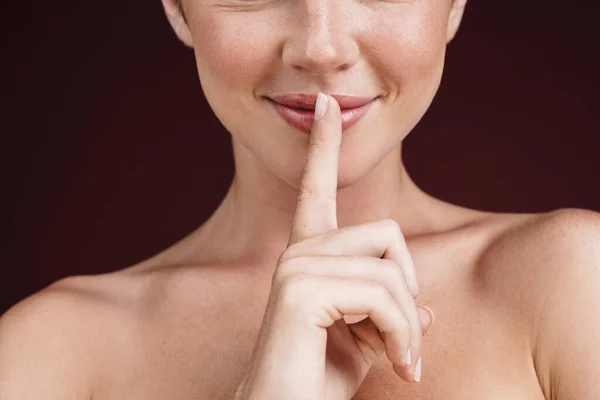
[[301, 114], [307, 101]]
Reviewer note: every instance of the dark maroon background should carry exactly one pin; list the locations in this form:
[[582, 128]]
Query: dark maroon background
[[110, 153]]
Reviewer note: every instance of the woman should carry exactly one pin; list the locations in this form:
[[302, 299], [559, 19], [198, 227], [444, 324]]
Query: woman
[[316, 274]]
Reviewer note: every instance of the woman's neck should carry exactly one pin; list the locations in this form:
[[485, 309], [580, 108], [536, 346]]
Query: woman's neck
[[253, 221]]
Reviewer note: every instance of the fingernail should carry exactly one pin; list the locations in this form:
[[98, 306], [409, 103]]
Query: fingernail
[[430, 311], [321, 106], [408, 360], [418, 370]]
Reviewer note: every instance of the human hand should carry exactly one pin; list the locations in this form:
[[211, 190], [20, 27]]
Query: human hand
[[307, 348]]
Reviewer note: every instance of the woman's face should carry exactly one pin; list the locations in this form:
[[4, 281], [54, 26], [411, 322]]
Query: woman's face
[[248, 49]]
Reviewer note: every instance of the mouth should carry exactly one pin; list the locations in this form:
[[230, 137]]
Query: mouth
[[307, 101], [299, 111]]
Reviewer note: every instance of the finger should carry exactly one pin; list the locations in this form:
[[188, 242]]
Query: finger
[[316, 207], [380, 239], [409, 372], [426, 318], [368, 338], [398, 252], [383, 272], [370, 341], [333, 297]]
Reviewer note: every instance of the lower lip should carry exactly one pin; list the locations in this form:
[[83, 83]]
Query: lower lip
[[303, 119]]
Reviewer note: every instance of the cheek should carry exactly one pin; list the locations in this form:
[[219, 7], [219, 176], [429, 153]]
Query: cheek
[[232, 56], [410, 46], [236, 51], [230, 47]]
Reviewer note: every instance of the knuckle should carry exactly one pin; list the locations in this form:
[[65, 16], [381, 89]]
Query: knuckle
[[286, 269], [382, 294], [392, 225], [285, 264], [284, 256], [292, 251], [291, 265], [394, 273], [284, 259], [294, 289]]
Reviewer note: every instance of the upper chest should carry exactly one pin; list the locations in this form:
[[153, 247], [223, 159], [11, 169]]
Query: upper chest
[[477, 348], [470, 352]]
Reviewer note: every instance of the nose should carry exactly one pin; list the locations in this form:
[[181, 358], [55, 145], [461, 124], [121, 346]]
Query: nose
[[321, 39]]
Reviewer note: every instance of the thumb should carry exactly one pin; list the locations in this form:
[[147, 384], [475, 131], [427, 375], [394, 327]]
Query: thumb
[[426, 318]]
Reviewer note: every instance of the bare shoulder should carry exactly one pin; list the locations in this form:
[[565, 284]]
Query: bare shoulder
[[551, 270], [64, 340], [526, 259], [50, 341], [535, 232], [84, 309], [74, 305], [541, 240]]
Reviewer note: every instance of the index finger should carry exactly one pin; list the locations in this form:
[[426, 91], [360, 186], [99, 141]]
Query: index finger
[[316, 207]]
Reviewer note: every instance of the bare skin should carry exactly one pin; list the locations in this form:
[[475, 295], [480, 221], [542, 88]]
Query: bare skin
[[182, 324], [172, 327]]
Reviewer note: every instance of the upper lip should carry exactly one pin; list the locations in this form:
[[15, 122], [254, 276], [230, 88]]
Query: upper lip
[[307, 101]]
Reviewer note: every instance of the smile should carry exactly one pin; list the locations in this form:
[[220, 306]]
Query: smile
[[303, 119]]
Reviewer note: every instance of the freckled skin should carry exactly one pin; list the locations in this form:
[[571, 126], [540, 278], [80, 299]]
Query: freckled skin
[[394, 49], [182, 324]]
